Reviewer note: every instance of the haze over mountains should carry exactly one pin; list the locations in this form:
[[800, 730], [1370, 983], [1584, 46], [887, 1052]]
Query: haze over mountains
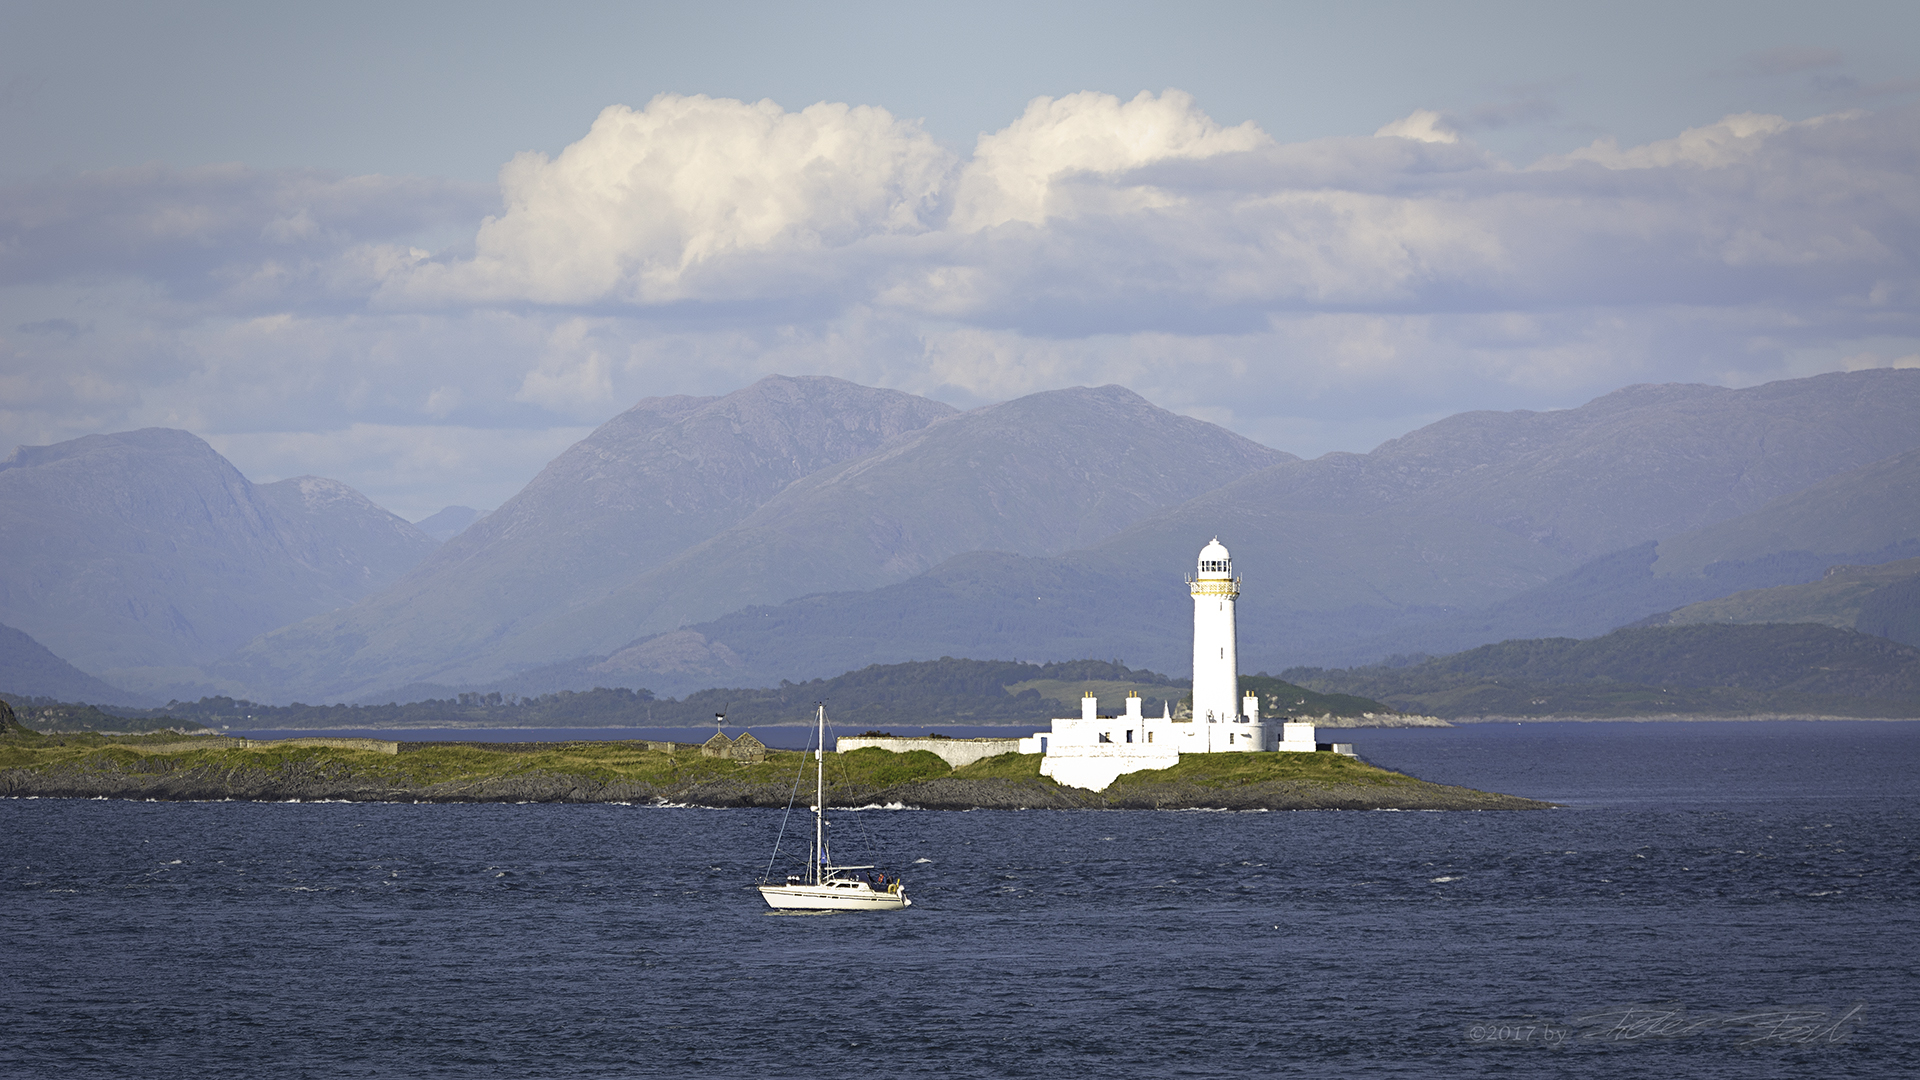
[[1482, 527], [140, 556], [685, 509], [448, 522], [803, 527]]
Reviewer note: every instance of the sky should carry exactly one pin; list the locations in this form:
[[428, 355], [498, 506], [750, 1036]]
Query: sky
[[421, 248]]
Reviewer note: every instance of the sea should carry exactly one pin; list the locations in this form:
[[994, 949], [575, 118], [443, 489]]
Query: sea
[[1726, 899]]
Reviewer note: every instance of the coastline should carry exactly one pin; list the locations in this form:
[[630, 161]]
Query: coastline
[[1671, 718], [623, 773]]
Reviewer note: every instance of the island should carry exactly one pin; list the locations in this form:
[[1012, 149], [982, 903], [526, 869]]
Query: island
[[169, 766]]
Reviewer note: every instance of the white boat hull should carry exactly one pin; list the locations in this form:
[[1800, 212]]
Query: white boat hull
[[832, 898], [825, 886]]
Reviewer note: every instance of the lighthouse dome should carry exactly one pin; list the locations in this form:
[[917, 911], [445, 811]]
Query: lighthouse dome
[[1214, 560]]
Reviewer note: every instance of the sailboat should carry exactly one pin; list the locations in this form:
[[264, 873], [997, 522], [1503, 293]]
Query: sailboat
[[826, 887]]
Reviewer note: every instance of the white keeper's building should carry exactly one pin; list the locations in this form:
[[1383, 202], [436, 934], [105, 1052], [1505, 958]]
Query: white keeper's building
[[1090, 750]]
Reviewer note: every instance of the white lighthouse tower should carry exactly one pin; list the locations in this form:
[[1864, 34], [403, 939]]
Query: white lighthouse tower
[[1216, 663], [1090, 750]]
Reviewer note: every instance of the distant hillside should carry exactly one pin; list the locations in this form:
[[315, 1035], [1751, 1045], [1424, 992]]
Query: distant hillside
[[1480, 507], [448, 523], [140, 555], [1614, 591], [1838, 599], [979, 604], [1709, 669], [934, 692], [1864, 509], [1869, 515], [1474, 529], [1037, 475], [645, 486], [1893, 611], [28, 669]]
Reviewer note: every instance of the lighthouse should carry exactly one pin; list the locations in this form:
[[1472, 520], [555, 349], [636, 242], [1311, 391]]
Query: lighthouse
[[1091, 749], [1216, 663]]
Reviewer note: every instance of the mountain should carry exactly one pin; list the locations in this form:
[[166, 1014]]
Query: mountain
[[1837, 600], [1869, 515], [664, 475], [140, 555], [1414, 547], [448, 523], [29, 669], [1775, 668], [1893, 611], [945, 691], [343, 534], [1039, 475], [1871, 508], [982, 603]]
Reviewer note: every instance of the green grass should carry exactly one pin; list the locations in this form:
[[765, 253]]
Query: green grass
[[604, 762], [1004, 767], [614, 761]]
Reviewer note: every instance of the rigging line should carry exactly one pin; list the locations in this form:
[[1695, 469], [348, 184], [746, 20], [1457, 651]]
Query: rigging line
[[795, 794], [863, 837]]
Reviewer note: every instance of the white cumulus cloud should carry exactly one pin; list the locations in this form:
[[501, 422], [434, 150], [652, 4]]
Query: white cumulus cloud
[[1421, 125], [1322, 290], [1733, 140], [1015, 171], [649, 194]]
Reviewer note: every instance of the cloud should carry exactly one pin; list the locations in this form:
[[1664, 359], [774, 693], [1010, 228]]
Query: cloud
[[648, 196], [575, 373], [1319, 290], [1849, 88], [65, 328], [214, 233], [1786, 60], [1016, 172], [1421, 125], [1733, 140]]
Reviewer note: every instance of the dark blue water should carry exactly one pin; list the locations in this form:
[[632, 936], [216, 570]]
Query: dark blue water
[[1717, 900]]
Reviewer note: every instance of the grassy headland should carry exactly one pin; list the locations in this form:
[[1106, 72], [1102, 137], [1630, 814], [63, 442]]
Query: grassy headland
[[157, 767]]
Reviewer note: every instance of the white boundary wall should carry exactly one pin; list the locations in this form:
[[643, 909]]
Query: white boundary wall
[[955, 752]]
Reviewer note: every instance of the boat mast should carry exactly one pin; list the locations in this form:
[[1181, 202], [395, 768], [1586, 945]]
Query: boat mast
[[820, 797]]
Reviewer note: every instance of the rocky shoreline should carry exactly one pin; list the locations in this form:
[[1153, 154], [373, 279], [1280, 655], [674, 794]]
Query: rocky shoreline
[[156, 778]]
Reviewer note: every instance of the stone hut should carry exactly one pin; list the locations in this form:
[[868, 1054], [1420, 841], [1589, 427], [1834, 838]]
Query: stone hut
[[745, 748], [748, 748]]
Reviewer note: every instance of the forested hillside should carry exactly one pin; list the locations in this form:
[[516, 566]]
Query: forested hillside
[[1705, 669]]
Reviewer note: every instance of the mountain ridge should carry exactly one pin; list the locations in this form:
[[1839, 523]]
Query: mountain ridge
[[139, 555], [657, 478], [1323, 585], [1040, 473]]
